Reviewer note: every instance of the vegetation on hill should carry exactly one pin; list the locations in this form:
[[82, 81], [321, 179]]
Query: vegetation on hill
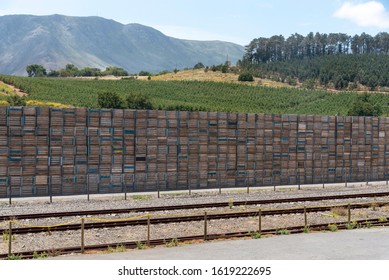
[[194, 95], [336, 61], [70, 70]]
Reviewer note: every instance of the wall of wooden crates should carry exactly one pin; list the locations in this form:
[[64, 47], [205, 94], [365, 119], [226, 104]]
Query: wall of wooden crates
[[76, 151]]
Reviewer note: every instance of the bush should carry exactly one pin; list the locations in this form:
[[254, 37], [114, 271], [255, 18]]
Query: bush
[[144, 73], [199, 66], [364, 106], [246, 77], [109, 100], [16, 100], [137, 101]]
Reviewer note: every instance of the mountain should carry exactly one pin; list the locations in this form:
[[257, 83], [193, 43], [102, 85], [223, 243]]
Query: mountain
[[57, 40]]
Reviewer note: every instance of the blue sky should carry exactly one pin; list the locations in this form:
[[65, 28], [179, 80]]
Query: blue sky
[[228, 20]]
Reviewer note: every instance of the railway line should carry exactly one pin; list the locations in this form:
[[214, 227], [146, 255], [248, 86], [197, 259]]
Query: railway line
[[172, 215], [161, 242], [189, 218], [190, 206]]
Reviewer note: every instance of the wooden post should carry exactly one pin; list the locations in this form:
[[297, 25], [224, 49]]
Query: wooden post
[[305, 217], [148, 230], [205, 226], [259, 221], [10, 239], [349, 213], [82, 236]]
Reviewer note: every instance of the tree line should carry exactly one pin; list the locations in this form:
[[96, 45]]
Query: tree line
[[37, 70], [334, 60], [277, 48]]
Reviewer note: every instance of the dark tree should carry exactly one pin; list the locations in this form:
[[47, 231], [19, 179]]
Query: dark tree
[[246, 77], [36, 70], [199, 66]]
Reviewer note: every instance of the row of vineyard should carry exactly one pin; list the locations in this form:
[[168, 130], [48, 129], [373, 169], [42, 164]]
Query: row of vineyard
[[194, 95], [49, 151]]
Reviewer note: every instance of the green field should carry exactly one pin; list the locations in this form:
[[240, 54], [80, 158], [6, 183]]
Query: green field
[[194, 95]]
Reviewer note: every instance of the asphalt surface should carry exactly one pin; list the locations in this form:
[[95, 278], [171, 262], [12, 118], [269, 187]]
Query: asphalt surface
[[361, 244]]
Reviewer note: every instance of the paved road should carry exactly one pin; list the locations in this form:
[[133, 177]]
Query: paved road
[[362, 244]]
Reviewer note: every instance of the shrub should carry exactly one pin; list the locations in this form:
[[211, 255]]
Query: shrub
[[144, 73], [364, 106], [109, 100], [246, 77], [16, 100], [138, 101], [333, 227]]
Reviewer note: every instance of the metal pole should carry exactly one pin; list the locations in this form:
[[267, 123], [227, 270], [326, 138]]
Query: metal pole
[[50, 190], [125, 187], [82, 236], [305, 217], [10, 190], [219, 182], [345, 183], [158, 192], [190, 189], [87, 185], [259, 221], [298, 174], [248, 183]]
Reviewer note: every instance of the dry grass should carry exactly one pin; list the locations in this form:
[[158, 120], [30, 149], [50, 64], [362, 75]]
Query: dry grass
[[210, 76], [339, 211]]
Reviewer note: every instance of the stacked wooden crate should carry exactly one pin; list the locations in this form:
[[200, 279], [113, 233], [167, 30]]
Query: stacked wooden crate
[[182, 150], [73, 151], [3, 152], [193, 150], [128, 148]]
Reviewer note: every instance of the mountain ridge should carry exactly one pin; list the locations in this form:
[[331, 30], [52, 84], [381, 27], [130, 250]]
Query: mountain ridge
[[57, 40]]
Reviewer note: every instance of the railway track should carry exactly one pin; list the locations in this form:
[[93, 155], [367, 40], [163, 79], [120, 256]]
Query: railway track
[[159, 242], [189, 218], [188, 207]]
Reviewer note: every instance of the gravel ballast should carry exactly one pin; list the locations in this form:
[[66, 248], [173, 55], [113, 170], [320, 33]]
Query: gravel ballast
[[51, 240]]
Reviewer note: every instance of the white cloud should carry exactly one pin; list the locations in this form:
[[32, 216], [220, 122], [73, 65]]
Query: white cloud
[[368, 14]]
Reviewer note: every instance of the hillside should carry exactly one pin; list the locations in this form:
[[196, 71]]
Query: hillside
[[57, 40], [335, 61], [194, 95]]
